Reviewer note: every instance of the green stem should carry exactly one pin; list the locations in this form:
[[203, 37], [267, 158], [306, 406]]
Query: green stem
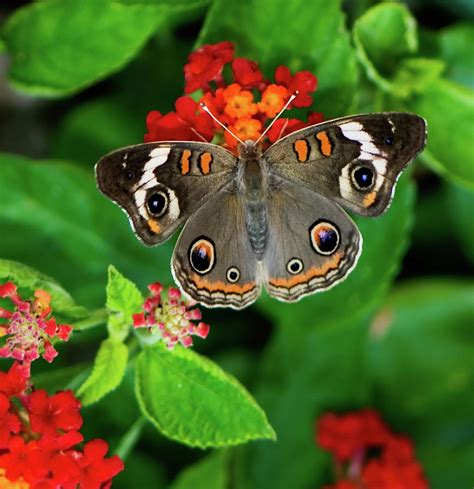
[[96, 318], [130, 438]]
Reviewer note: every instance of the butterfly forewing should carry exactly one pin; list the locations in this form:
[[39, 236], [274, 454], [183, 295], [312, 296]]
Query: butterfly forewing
[[355, 160]]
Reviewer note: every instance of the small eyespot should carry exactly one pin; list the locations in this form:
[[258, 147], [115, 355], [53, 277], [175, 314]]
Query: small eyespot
[[157, 203], [129, 175], [388, 140], [324, 237], [294, 266], [202, 256], [363, 177], [233, 274]]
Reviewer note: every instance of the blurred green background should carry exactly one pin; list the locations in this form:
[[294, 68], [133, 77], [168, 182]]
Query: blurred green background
[[78, 78]]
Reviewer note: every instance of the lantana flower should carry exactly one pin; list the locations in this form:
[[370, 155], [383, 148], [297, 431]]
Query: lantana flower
[[367, 454], [246, 102], [40, 442], [29, 328], [171, 319]]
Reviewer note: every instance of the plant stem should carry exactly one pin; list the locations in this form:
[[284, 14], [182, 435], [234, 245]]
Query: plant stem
[[96, 318], [130, 438]]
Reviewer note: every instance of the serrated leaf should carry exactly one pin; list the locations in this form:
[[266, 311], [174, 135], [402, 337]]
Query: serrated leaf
[[107, 373], [190, 399], [316, 40], [58, 47], [24, 276]]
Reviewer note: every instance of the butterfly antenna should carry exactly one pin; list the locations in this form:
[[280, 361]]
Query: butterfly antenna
[[295, 94], [206, 109]]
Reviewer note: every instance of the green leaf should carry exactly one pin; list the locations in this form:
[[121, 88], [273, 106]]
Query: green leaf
[[384, 35], [58, 47], [315, 40], [27, 277], [415, 74], [421, 364], [191, 400], [456, 50], [54, 218], [209, 473], [107, 373], [123, 300], [448, 108]]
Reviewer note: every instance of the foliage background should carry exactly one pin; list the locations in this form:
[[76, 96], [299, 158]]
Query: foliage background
[[80, 77]]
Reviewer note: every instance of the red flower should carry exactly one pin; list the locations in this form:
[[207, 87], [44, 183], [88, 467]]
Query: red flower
[[23, 460], [9, 422], [247, 74], [95, 469], [171, 320], [233, 105], [206, 64], [51, 415], [15, 381], [303, 81], [367, 454], [186, 124]]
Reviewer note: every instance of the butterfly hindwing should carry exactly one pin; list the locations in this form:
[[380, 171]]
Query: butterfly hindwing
[[159, 185], [213, 260], [312, 243]]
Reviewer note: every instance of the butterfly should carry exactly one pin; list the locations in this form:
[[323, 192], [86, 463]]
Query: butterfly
[[273, 218]]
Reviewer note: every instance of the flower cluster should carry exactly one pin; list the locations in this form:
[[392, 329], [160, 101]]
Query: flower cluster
[[244, 105], [29, 328], [367, 454], [170, 319], [39, 437]]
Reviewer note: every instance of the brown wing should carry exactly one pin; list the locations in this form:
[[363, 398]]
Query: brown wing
[[355, 160], [159, 185]]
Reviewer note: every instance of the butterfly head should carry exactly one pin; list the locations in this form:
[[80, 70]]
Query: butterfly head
[[249, 150]]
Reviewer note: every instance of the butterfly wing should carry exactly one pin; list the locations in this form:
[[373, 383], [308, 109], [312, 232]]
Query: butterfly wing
[[355, 160], [312, 243], [213, 260], [159, 185]]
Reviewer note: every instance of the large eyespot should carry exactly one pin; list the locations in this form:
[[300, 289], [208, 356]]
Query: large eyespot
[[157, 203], [294, 266], [202, 255], [233, 274], [324, 237], [363, 177]]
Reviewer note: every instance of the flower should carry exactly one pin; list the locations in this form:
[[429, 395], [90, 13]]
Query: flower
[[56, 414], [244, 128], [206, 64], [186, 124], [303, 81], [30, 329], [170, 319], [245, 104], [246, 73], [39, 441], [367, 454], [95, 470], [238, 102], [273, 100]]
